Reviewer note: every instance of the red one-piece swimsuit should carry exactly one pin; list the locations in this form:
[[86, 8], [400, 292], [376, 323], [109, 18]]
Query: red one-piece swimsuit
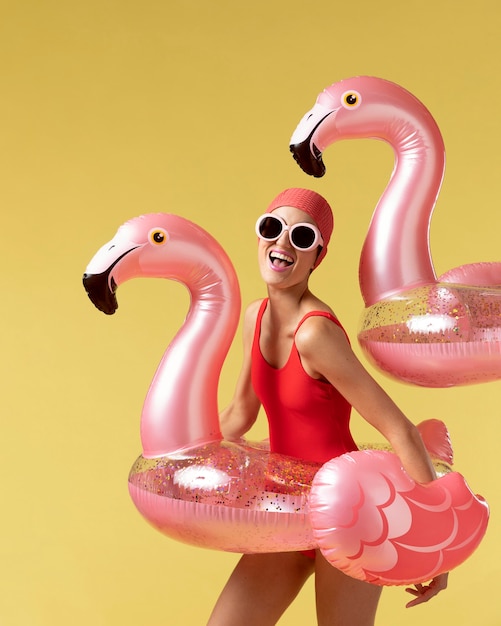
[[308, 418]]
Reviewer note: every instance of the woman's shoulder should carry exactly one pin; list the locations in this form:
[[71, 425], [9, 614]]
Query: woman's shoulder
[[317, 320], [251, 314], [319, 326]]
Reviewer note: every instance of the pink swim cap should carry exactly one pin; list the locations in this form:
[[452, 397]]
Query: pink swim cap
[[312, 203]]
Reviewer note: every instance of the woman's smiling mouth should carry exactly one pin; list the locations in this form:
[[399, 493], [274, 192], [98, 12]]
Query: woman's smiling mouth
[[280, 260]]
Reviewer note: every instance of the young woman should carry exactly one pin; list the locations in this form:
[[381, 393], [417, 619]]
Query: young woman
[[298, 364]]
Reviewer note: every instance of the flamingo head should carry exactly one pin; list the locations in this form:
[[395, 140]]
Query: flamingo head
[[154, 245], [359, 107]]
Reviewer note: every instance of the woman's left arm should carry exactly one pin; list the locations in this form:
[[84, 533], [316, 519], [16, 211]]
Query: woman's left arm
[[325, 352]]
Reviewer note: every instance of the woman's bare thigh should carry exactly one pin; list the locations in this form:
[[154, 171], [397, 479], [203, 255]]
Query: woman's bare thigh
[[261, 588], [342, 600]]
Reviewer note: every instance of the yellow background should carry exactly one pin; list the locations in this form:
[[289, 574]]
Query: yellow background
[[113, 108]]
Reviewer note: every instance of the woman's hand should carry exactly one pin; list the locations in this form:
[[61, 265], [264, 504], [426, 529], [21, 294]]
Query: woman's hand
[[424, 593]]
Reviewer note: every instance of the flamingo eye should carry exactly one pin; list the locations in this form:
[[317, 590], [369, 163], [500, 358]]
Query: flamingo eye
[[351, 99], [157, 236]]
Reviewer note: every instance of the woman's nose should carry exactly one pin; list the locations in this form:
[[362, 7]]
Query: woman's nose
[[284, 237]]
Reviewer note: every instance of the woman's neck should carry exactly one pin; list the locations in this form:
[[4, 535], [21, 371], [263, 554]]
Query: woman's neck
[[286, 305]]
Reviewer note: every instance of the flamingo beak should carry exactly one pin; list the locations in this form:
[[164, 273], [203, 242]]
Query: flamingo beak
[[306, 139], [308, 157], [101, 284], [101, 290]]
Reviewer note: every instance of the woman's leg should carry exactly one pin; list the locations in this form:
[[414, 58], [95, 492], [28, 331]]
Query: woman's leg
[[342, 600], [261, 588]]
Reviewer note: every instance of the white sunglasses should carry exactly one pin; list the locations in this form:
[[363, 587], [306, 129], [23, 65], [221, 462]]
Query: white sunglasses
[[303, 236]]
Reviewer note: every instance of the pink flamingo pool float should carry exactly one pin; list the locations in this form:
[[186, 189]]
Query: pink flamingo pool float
[[362, 510], [429, 331]]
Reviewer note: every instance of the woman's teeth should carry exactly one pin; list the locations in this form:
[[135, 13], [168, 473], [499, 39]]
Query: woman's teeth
[[280, 260]]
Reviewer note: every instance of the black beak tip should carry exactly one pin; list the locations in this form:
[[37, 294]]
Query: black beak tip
[[104, 299], [311, 164]]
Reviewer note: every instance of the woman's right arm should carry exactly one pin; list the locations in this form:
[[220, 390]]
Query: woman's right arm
[[238, 417]]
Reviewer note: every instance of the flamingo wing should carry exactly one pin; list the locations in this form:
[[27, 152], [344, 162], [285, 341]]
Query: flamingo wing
[[372, 521]]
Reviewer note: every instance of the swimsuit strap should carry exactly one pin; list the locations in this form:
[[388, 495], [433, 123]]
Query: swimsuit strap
[[326, 314]]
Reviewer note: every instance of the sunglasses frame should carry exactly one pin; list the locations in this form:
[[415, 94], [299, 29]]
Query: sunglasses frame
[[317, 241]]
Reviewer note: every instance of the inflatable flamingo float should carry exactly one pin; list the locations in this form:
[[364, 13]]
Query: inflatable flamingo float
[[365, 513], [429, 331]]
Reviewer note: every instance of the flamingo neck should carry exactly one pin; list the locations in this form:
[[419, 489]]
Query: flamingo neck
[[181, 407], [396, 253]]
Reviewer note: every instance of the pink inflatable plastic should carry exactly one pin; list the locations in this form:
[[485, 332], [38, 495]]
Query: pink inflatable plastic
[[429, 331], [195, 487]]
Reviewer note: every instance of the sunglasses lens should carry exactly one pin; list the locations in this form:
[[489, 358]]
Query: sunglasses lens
[[303, 237], [270, 228]]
